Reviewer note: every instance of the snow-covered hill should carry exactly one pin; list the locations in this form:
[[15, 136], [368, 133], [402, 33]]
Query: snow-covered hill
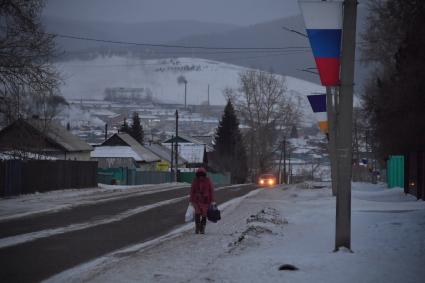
[[89, 79]]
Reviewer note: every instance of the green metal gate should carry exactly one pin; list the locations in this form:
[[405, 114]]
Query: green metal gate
[[395, 171]]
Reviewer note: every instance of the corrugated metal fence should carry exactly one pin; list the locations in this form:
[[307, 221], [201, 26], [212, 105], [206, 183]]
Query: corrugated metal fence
[[131, 176], [395, 171], [218, 179], [22, 177]]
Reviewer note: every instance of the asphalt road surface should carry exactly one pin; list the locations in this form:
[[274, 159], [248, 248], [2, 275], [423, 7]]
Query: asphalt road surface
[[35, 260]]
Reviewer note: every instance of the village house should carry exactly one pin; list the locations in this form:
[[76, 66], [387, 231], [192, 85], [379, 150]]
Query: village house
[[122, 150], [40, 139]]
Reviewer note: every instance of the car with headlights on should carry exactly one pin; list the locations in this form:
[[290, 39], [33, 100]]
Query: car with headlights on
[[267, 180]]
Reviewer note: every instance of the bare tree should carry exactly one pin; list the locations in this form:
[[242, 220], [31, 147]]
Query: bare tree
[[263, 106], [25, 57]]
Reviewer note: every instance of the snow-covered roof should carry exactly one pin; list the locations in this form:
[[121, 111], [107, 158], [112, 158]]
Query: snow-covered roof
[[115, 151], [164, 152], [10, 155], [146, 155], [103, 112], [186, 139], [123, 139]]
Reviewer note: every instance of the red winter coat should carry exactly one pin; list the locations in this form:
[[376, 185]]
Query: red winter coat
[[201, 194]]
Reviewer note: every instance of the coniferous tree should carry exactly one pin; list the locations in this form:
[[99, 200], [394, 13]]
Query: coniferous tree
[[229, 150], [136, 130], [124, 127]]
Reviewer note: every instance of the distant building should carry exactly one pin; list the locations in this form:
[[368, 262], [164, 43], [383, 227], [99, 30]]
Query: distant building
[[40, 139]]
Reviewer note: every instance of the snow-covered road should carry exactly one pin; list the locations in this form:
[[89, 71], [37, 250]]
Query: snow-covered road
[[54, 201], [269, 228]]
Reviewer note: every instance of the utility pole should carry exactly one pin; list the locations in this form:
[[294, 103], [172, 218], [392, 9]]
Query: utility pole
[[290, 168], [284, 161], [172, 156], [185, 90], [331, 112], [176, 146], [344, 128], [208, 95], [252, 157], [17, 105], [282, 152]]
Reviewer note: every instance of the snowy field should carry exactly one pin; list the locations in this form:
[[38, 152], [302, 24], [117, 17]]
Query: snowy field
[[271, 227], [88, 80]]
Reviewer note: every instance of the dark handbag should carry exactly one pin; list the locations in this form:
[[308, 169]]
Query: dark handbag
[[213, 213]]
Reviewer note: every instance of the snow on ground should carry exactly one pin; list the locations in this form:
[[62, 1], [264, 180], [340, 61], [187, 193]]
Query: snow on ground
[[272, 227], [23, 205]]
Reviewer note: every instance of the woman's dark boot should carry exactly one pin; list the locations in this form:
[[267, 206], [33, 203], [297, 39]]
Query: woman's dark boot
[[197, 223], [203, 224]]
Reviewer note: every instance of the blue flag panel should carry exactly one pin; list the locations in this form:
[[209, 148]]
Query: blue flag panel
[[317, 102]]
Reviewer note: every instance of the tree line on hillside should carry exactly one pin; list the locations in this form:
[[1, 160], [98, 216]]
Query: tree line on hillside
[[394, 97]]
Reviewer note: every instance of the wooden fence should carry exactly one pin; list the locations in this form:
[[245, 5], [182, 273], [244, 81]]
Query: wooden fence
[[23, 177]]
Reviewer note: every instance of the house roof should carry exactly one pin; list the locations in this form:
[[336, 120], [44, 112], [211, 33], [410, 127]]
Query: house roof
[[145, 154], [65, 138], [115, 151], [54, 132], [182, 138], [164, 153], [207, 139]]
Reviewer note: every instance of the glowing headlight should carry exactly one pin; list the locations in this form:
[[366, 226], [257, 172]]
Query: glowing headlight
[[271, 182], [261, 181]]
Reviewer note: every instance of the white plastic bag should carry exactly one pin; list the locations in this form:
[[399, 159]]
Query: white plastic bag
[[190, 213]]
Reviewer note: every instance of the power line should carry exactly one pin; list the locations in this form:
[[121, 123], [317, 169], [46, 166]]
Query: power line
[[175, 46], [157, 52]]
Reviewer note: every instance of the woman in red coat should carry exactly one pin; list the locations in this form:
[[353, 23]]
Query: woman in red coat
[[201, 197]]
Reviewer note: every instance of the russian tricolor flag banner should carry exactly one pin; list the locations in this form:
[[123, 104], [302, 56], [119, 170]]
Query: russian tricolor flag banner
[[323, 21], [318, 105]]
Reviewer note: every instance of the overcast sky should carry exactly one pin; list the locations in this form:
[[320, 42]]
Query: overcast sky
[[240, 12]]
